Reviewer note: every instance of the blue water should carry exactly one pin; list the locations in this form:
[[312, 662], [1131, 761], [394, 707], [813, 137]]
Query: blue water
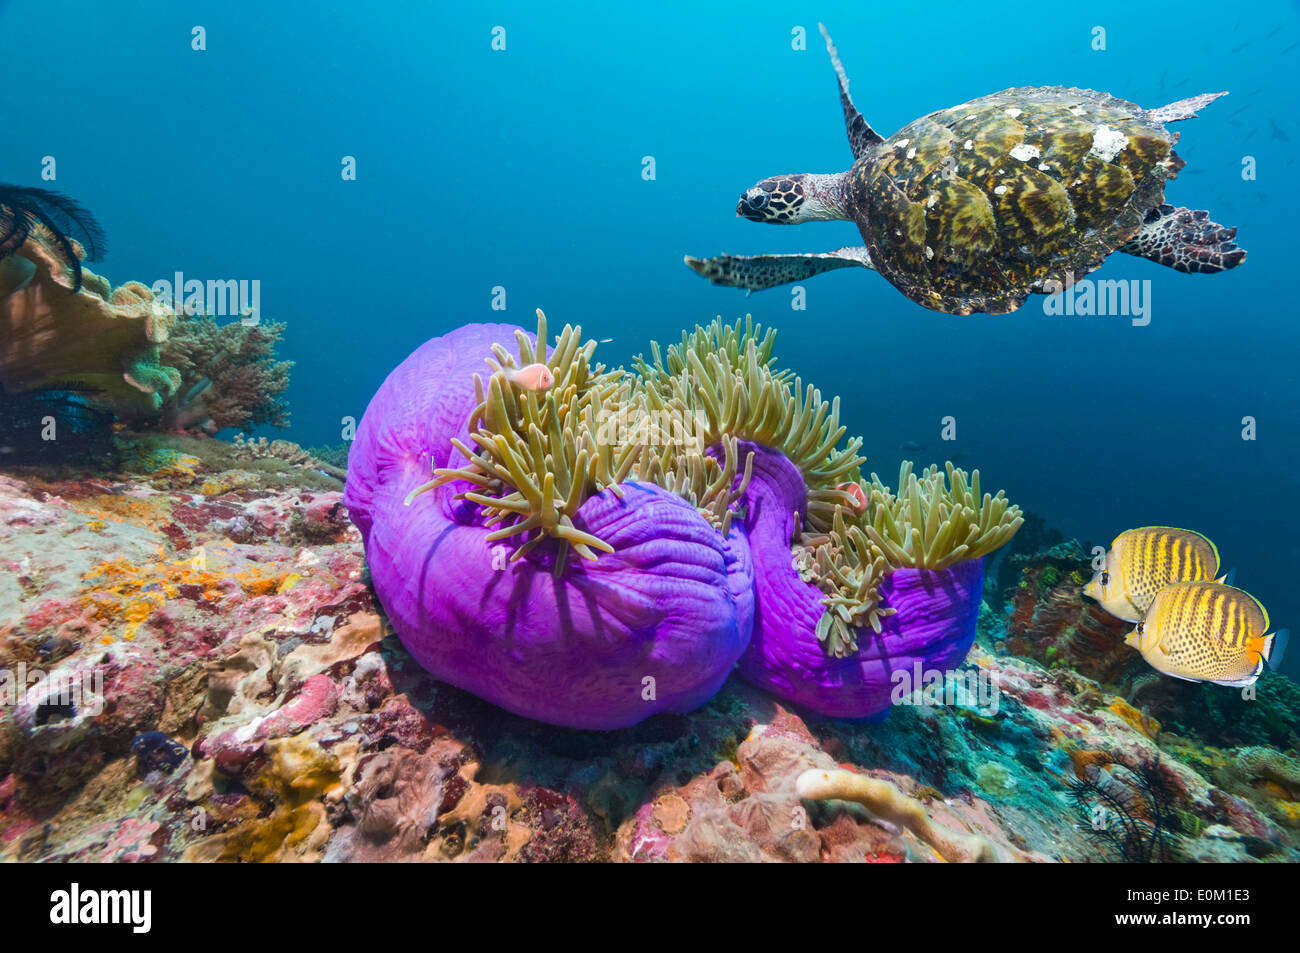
[[523, 169]]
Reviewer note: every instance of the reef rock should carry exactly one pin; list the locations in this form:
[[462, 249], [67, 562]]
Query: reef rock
[[243, 699], [1052, 622]]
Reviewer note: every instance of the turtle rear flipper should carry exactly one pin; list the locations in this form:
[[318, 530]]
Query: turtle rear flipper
[[1186, 241], [861, 136], [756, 272], [1183, 109]]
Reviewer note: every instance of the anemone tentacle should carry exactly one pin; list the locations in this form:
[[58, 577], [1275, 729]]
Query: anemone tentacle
[[677, 423], [932, 524]]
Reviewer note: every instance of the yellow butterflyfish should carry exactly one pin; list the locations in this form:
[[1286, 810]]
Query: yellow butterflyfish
[[1143, 561], [1208, 632]]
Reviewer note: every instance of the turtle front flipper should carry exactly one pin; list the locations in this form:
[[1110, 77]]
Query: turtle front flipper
[[1186, 241], [756, 272], [861, 136]]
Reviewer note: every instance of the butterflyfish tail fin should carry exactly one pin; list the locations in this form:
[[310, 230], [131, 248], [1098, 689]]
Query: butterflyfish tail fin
[[1275, 647]]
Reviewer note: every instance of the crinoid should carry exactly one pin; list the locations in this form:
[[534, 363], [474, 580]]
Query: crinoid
[[25, 210], [57, 425], [1129, 808]]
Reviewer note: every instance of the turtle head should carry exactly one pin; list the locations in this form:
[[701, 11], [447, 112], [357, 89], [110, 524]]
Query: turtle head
[[791, 199]]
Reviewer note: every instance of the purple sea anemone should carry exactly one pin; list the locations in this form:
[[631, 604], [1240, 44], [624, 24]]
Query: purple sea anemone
[[925, 616], [590, 547], [653, 626]]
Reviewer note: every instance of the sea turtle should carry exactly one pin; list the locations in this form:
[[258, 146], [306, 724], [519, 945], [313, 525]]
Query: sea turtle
[[974, 207]]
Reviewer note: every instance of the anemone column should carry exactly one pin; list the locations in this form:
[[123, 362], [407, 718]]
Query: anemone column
[[933, 623]]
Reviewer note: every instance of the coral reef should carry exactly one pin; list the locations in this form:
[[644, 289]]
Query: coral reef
[[257, 706], [98, 339], [229, 376], [286, 450], [65, 329], [194, 665]]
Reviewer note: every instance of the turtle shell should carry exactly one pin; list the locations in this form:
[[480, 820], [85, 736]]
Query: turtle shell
[[974, 207]]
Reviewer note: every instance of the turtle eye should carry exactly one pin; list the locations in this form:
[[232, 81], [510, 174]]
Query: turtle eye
[[759, 201]]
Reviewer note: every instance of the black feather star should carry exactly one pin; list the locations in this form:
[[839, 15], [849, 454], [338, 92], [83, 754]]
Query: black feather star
[[22, 208], [1130, 809]]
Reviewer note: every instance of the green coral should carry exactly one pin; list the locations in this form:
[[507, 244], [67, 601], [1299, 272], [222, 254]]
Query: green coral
[[996, 780], [1260, 762], [228, 375], [335, 454]]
